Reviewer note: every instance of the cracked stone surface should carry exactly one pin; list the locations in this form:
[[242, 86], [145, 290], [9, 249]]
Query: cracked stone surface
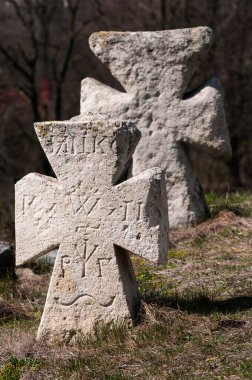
[[96, 218], [154, 69]]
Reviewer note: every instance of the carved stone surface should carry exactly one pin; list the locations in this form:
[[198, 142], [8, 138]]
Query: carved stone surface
[[96, 218], [155, 68]]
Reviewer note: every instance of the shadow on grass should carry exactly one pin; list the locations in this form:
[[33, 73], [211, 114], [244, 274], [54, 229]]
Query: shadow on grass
[[202, 304]]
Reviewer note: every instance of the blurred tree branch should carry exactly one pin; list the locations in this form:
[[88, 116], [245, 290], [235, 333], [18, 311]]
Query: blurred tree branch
[[42, 58]]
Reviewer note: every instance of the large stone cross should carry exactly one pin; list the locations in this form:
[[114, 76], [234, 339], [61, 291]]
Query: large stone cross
[[95, 218], [154, 69]]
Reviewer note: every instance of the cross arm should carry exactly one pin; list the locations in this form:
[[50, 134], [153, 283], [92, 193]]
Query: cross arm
[[204, 119], [35, 212], [96, 95], [135, 58], [142, 226]]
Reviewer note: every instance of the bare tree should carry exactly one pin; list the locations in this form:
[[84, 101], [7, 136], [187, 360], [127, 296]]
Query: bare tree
[[41, 55]]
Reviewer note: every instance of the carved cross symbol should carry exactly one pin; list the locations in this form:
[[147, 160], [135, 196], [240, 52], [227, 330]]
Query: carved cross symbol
[[95, 218], [154, 69]]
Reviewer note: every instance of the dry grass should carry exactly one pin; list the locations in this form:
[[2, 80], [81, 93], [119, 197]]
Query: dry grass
[[196, 318]]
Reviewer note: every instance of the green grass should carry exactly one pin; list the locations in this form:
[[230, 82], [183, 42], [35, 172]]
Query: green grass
[[246, 368], [239, 204], [195, 320], [213, 198], [14, 368], [178, 254]]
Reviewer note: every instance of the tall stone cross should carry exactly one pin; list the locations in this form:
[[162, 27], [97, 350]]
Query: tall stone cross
[[155, 69], [95, 217]]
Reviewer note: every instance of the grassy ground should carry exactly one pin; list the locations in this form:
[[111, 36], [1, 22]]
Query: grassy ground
[[196, 317]]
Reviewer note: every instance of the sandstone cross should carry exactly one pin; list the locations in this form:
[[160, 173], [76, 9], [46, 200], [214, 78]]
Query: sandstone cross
[[95, 218], [155, 69]]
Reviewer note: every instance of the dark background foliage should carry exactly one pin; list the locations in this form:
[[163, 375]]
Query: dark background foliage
[[44, 55]]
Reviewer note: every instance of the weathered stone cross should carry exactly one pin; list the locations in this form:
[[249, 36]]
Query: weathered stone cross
[[95, 217], [155, 69]]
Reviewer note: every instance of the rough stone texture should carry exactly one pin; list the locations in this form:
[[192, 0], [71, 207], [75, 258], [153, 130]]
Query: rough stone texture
[[96, 218], [155, 68], [7, 261]]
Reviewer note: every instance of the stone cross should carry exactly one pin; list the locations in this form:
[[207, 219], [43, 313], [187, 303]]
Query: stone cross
[[95, 217], [155, 69]]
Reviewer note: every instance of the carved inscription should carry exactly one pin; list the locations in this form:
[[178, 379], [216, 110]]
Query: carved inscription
[[88, 228], [86, 203], [132, 211], [101, 262], [65, 263], [88, 297], [68, 144], [33, 204], [85, 252], [73, 300], [65, 144], [28, 202]]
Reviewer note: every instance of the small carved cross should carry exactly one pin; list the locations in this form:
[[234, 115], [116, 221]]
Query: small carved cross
[[95, 218], [155, 69]]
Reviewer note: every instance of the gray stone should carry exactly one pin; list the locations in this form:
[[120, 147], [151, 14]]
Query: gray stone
[[155, 68], [95, 218]]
